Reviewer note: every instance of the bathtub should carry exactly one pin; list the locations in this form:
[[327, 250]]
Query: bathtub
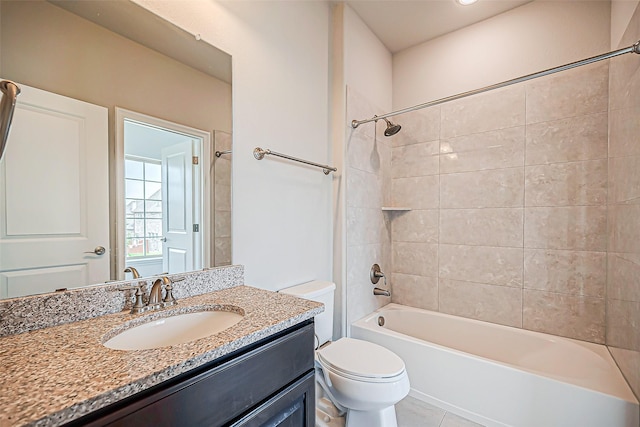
[[503, 376]]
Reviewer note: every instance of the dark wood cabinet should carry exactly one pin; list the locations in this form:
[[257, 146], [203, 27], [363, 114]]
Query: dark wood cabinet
[[269, 383]]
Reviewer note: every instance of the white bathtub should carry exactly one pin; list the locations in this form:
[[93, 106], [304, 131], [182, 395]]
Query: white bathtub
[[502, 376]]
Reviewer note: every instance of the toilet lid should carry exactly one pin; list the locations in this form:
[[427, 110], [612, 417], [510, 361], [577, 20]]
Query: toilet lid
[[361, 359]]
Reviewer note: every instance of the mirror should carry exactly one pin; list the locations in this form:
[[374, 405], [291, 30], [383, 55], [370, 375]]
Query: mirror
[[108, 91]]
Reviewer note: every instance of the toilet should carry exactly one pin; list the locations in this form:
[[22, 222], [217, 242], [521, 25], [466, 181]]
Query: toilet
[[360, 379]]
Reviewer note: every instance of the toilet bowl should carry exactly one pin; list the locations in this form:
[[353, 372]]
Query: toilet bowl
[[362, 380]]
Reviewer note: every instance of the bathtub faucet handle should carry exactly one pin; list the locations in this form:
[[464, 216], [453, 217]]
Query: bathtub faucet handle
[[376, 274]]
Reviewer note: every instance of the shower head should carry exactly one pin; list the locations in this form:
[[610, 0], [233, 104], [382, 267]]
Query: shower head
[[391, 129]]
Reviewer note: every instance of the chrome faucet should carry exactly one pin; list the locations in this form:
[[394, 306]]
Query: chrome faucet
[[154, 300], [375, 276], [133, 271]]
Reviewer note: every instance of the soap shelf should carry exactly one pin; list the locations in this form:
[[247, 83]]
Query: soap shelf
[[395, 209]]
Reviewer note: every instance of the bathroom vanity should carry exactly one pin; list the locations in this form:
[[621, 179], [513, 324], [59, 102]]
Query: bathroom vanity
[[267, 383], [256, 372]]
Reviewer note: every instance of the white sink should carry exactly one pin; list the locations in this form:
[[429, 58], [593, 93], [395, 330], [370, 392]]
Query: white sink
[[177, 329]]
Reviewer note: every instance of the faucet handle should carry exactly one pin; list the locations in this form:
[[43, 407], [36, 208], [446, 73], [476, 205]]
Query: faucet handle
[[169, 299], [141, 293]]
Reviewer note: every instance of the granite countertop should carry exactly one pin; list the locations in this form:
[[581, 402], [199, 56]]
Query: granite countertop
[[54, 375]]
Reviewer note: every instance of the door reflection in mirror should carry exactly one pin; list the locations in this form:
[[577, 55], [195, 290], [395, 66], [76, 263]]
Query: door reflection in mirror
[[163, 195]]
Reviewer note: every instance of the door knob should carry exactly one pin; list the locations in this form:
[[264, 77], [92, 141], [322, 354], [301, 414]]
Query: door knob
[[99, 250]]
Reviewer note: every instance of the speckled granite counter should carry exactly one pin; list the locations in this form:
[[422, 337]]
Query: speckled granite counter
[[54, 375]]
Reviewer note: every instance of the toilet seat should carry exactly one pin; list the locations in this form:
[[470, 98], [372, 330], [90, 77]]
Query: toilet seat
[[361, 361]]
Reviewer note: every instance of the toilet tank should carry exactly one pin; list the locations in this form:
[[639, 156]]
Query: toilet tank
[[320, 291]]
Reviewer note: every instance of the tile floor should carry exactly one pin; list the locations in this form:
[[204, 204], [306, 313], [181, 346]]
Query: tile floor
[[412, 412]]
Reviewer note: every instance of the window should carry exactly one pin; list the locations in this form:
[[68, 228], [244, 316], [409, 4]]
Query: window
[[143, 207]]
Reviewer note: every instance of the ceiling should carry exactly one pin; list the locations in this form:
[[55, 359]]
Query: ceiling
[[400, 24]]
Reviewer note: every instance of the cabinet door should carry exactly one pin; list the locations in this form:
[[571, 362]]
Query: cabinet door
[[293, 407]]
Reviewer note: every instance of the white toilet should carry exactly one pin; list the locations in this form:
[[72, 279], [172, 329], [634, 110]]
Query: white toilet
[[363, 379]]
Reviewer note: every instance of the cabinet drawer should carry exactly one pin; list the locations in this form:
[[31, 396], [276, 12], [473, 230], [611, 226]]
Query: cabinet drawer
[[218, 395]]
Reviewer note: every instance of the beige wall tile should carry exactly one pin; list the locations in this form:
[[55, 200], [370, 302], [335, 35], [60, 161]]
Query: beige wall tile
[[415, 160], [623, 276], [624, 128], [415, 291], [629, 363], [623, 328], [358, 107], [567, 184], [484, 264], [624, 228], [364, 189], [417, 192], [222, 251], [222, 197], [567, 272], [625, 83], [420, 259], [567, 140], [498, 109], [415, 226], [624, 179], [491, 303], [496, 149], [485, 227], [366, 226], [222, 223], [483, 189], [222, 170], [360, 298], [364, 154], [417, 126], [576, 92], [570, 316], [574, 227]]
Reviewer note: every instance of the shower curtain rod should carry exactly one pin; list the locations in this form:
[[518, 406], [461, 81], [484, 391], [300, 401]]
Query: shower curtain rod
[[635, 48]]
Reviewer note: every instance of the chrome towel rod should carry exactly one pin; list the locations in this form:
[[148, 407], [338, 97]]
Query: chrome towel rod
[[635, 48], [10, 92], [259, 154]]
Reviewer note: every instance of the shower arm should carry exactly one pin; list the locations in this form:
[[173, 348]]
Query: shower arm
[[635, 48], [10, 92]]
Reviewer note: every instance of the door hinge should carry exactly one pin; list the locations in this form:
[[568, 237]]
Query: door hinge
[[196, 228], [196, 160]]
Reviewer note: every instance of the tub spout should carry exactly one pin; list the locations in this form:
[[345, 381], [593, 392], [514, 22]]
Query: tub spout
[[381, 292]]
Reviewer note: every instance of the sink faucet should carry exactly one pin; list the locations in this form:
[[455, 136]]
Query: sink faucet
[[133, 271], [155, 300], [155, 296]]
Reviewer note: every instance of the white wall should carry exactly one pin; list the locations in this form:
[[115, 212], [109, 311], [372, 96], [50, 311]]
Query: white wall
[[530, 38], [367, 62], [621, 13], [282, 230]]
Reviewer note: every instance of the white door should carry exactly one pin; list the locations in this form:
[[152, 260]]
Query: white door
[[54, 195], [177, 208]]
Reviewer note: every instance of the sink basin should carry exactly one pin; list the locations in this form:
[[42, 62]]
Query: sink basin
[[172, 330]]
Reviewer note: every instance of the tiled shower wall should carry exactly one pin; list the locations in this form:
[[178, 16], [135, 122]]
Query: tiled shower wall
[[623, 281], [367, 171], [221, 250], [508, 192]]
